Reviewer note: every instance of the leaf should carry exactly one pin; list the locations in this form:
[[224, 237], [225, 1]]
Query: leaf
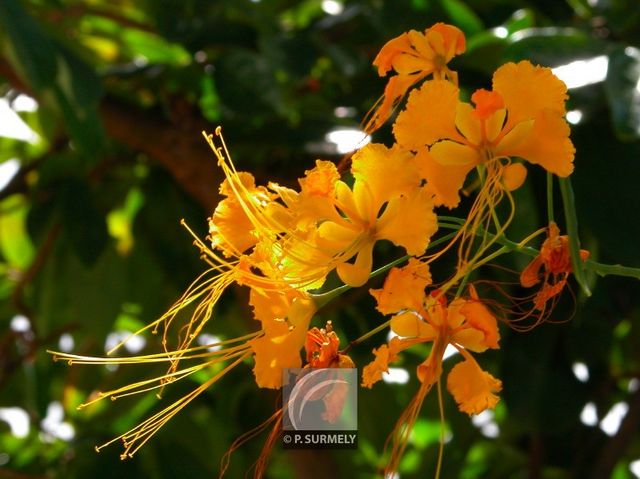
[[15, 243], [553, 46], [463, 17], [521, 19], [622, 91], [55, 74]]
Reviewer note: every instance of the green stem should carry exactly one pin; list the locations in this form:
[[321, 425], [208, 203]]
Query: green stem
[[572, 230], [502, 240], [322, 299], [367, 335], [611, 269]]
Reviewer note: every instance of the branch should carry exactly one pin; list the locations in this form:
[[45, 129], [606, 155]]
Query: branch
[[177, 146]]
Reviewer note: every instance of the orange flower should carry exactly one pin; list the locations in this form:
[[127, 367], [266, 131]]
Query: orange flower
[[386, 203], [321, 346], [384, 355], [555, 261], [285, 320], [403, 288], [230, 229], [466, 323], [522, 117], [414, 56]]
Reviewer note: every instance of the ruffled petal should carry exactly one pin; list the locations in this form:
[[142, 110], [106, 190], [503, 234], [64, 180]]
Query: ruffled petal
[[527, 89], [270, 305], [443, 181], [272, 355], [230, 229], [452, 43], [385, 354], [280, 346], [548, 145], [403, 288], [480, 318], [321, 180], [473, 389], [409, 221], [429, 116], [386, 172]]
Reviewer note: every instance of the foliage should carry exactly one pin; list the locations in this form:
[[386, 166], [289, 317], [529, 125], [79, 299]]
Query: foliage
[[91, 244]]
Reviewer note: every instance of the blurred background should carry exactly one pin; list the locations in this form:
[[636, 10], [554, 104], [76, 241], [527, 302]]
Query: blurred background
[[102, 104]]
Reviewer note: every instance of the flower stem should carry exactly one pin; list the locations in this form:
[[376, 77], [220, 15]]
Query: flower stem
[[572, 230]]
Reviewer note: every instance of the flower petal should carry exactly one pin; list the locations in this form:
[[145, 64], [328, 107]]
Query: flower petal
[[385, 354], [429, 115], [451, 153], [472, 388], [386, 172], [321, 180], [548, 145], [443, 181], [480, 318], [280, 346], [403, 288], [513, 176], [527, 89], [356, 274], [410, 325], [271, 355], [468, 123], [409, 221]]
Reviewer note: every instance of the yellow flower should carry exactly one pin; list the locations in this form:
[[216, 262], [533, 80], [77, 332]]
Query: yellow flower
[[414, 56], [466, 323], [230, 229], [386, 203], [472, 388], [384, 355], [522, 117], [403, 288]]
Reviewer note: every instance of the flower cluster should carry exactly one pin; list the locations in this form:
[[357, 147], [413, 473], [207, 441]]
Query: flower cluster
[[282, 243]]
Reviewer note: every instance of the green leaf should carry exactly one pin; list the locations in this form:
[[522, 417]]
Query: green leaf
[[463, 17], [553, 46], [621, 86], [15, 243], [55, 74], [521, 19]]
